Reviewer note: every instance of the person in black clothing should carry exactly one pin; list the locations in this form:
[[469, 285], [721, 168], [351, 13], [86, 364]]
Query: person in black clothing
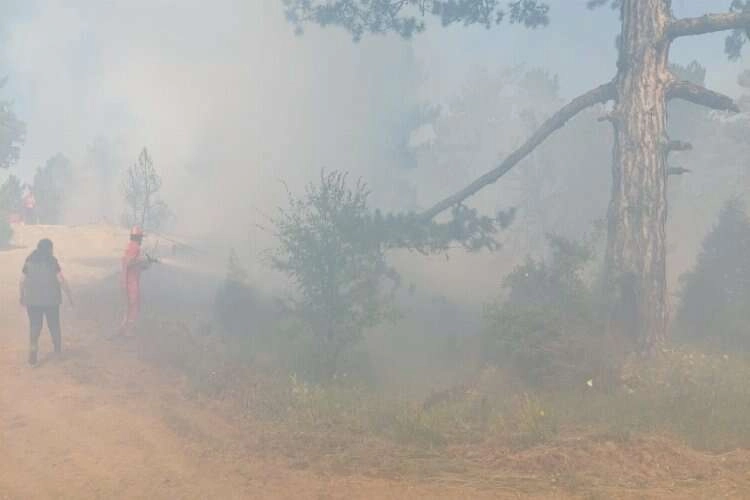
[[41, 293]]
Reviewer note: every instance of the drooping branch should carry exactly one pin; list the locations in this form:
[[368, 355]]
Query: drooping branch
[[700, 95], [600, 94], [710, 23]]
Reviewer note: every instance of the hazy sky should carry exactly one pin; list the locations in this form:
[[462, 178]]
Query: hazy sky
[[578, 45], [229, 89]]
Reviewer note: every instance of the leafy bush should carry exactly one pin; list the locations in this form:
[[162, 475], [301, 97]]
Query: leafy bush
[[337, 263], [332, 247], [713, 306], [285, 345], [557, 284], [549, 328]]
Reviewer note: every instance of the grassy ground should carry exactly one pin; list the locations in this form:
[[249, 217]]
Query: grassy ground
[[673, 426]]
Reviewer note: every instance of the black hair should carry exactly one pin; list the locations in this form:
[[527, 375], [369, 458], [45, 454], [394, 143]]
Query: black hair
[[45, 246]]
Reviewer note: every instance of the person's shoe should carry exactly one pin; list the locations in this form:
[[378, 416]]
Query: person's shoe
[[32, 358]]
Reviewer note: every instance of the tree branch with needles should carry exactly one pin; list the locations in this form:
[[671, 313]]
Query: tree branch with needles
[[598, 95]]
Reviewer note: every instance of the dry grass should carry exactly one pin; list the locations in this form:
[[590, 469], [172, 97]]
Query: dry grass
[[651, 430]]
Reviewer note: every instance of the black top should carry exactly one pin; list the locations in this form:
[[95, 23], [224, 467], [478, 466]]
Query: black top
[[41, 287]]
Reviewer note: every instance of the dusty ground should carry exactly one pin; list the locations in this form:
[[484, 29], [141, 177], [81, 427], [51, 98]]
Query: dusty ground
[[101, 423]]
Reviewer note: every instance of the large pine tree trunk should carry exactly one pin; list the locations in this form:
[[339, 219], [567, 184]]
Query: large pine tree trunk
[[636, 247]]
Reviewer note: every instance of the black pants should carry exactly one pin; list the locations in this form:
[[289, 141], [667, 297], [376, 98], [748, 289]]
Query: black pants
[[36, 321]]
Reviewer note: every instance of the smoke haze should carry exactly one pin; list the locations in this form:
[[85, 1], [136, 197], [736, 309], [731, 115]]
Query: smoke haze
[[234, 108]]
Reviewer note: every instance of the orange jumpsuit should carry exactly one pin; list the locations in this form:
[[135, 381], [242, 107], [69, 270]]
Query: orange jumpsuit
[[131, 269]]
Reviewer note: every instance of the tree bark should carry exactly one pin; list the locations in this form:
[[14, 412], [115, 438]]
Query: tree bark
[[709, 23], [701, 96], [636, 243]]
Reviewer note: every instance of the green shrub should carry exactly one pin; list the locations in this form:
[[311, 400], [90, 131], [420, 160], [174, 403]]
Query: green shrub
[[329, 249], [294, 348], [713, 306], [236, 305], [549, 328]]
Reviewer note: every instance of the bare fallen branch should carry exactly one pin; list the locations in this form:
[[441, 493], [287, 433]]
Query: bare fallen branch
[[710, 23], [700, 95], [600, 94]]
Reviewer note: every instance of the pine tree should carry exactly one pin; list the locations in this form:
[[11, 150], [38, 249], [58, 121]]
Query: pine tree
[[640, 89], [52, 183], [716, 293], [10, 196], [142, 187]]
